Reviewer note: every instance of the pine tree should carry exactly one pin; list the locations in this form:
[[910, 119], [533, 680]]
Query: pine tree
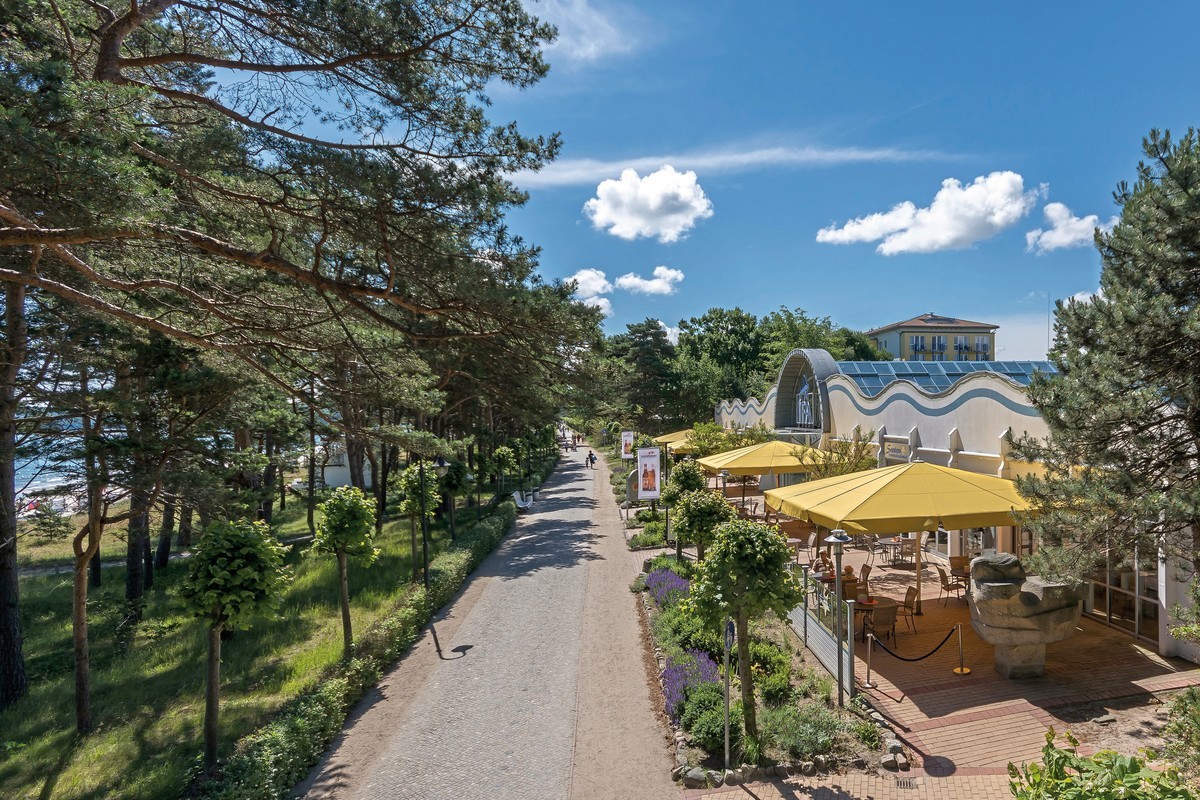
[[1123, 454]]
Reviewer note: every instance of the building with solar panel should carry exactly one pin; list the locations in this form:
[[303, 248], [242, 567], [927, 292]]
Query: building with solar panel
[[957, 414]]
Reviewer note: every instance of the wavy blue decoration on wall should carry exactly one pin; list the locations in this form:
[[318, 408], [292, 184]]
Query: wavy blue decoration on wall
[[990, 394]]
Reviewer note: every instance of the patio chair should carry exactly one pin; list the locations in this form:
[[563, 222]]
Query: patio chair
[[948, 585], [882, 623], [908, 609], [960, 563], [863, 574], [811, 546], [908, 550]]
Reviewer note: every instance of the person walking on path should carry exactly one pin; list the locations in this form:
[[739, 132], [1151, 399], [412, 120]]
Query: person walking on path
[[531, 684], [590, 460]]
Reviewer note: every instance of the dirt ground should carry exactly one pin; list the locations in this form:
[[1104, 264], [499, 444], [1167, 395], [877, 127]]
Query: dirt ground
[[1138, 725]]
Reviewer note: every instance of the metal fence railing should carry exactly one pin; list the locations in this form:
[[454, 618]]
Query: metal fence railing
[[815, 621]]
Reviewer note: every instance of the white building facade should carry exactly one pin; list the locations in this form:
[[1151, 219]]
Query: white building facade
[[957, 414]]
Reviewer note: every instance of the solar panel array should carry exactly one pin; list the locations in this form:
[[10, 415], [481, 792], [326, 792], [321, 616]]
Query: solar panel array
[[935, 376]]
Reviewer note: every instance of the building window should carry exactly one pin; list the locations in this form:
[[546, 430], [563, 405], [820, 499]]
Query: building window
[[983, 348], [916, 343], [962, 347]]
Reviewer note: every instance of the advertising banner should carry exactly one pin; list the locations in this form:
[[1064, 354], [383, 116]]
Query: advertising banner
[[627, 444], [648, 473]]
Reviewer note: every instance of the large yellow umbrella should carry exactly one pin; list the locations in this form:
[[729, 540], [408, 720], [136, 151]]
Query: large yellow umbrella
[[668, 438], [769, 458], [680, 448], [907, 497]]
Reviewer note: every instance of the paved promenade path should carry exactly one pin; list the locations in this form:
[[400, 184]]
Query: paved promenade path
[[530, 685]]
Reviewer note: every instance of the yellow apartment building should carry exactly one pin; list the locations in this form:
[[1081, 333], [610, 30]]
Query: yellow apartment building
[[931, 337]]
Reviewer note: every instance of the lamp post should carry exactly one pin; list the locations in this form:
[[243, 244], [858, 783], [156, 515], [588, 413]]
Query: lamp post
[[678, 544], [424, 529], [439, 467], [442, 468], [837, 540]]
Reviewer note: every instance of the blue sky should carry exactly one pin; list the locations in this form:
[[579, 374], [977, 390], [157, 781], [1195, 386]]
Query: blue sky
[[867, 162]]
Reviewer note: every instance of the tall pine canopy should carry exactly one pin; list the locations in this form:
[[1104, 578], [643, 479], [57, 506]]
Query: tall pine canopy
[[1123, 455]]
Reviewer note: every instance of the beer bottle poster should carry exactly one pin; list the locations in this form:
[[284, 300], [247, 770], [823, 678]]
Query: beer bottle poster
[[648, 470], [627, 444]]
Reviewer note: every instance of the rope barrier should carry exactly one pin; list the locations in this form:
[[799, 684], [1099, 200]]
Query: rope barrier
[[949, 633]]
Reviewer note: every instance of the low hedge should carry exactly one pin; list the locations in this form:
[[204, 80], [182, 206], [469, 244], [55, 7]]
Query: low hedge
[[268, 763]]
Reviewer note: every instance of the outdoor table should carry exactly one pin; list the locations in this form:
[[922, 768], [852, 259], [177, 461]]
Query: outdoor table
[[893, 545], [866, 607], [965, 575]]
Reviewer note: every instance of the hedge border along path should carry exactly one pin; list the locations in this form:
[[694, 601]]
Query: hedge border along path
[[268, 763]]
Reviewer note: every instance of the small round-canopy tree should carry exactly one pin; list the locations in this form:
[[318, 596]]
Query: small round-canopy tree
[[236, 569], [409, 483], [699, 513], [744, 576], [347, 528], [504, 461], [685, 477]]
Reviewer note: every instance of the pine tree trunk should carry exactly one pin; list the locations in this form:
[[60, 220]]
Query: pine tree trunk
[[94, 568], [344, 585], [135, 540], [162, 555], [13, 681], [185, 526], [416, 558], [86, 547], [749, 713], [212, 698]]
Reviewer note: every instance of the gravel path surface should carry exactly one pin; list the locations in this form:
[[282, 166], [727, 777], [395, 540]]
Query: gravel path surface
[[530, 685]]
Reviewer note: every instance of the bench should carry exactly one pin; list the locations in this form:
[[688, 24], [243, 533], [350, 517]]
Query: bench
[[523, 503]]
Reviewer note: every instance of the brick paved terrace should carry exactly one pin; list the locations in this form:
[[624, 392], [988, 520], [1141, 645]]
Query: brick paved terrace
[[976, 724]]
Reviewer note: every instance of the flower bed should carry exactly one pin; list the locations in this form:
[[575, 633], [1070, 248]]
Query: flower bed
[[797, 724]]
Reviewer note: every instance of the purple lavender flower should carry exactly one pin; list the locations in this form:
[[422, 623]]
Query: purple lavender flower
[[666, 587], [684, 673]]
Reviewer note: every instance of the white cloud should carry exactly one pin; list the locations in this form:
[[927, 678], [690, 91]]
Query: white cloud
[[590, 282], [672, 333], [585, 33], [734, 158], [589, 285], [958, 217], [665, 205], [1066, 230], [664, 281], [602, 303]]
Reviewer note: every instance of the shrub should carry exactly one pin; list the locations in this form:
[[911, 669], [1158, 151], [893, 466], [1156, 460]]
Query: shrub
[[867, 732], [700, 699], [801, 731], [683, 672], [708, 731], [776, 688], [1066, 775], [674, 627], [767, 657], [645, 515], [666, 587], [653, 535], [683, 569], [1181, 734]]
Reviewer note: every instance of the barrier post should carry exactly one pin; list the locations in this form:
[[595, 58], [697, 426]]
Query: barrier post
[[870, 649], [960, 669]]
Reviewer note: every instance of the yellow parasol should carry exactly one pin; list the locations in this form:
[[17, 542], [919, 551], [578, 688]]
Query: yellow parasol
[[907, 497], [768, 458]]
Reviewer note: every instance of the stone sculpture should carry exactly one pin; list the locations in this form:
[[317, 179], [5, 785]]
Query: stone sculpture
[[1020, 615]]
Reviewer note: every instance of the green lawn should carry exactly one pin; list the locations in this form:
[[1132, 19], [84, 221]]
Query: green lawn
[[148, 678]]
